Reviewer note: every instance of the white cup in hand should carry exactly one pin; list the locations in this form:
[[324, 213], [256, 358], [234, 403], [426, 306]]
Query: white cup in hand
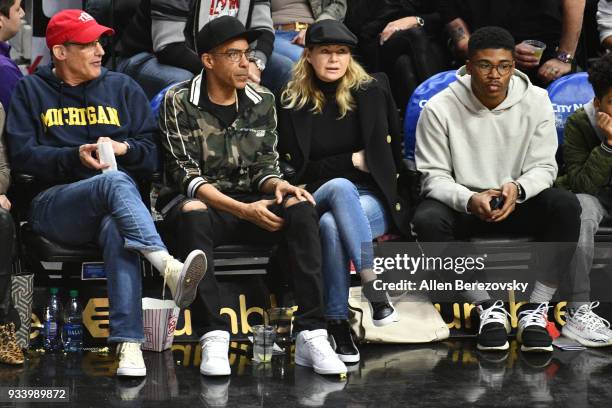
[[106, 155]]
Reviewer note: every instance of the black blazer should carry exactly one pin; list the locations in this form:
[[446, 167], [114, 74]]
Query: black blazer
[[380, 130]]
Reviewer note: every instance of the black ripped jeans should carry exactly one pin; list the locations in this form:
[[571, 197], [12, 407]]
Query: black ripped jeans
[[207, 229]]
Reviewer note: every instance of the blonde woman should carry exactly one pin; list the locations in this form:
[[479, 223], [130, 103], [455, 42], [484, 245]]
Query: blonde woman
[[339, 129]]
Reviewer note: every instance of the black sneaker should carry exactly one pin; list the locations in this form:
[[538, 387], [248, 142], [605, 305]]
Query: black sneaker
[[494, 326], [341, 340], [532, 332], [383, 312]]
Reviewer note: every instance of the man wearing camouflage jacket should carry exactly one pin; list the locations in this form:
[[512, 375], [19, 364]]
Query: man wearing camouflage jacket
[[219, 137]]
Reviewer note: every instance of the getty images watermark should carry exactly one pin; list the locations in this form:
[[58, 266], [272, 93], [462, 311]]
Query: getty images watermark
[[458, 265], [446, 271]]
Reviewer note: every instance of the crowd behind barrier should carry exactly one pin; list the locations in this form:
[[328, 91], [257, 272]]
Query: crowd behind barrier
[[406, 40]]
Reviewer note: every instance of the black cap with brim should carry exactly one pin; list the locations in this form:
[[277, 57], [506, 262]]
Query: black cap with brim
[[330, 32], [220, 30]]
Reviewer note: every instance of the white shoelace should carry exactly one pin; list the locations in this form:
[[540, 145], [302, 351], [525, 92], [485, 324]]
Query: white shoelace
[[585, 314], [130, 353], [320, 345], [536, 316], [494, 314], [172, 266]]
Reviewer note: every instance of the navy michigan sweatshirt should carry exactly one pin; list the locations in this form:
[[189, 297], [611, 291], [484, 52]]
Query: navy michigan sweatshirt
[[48, 120]]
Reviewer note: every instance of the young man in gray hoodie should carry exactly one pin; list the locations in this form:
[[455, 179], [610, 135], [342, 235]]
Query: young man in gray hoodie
[[491, 135]]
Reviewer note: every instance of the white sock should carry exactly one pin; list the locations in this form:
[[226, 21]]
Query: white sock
[[157, 259], [541, 293]]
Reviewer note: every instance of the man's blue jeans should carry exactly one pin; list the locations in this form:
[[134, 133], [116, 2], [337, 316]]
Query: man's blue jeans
[[284, 46], [350, 217], [153, 76], [106, 209]]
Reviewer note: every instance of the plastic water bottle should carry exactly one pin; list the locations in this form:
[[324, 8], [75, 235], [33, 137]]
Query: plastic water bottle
[[72, 330], [51, 322]]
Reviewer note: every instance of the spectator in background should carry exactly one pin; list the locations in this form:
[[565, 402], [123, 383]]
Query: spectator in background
[[291, 18], [158, 48], [57, 118], [604, 23], [10, 352], [404, 39], [352, 170], [557, 23], [587, 153], [11, 14]]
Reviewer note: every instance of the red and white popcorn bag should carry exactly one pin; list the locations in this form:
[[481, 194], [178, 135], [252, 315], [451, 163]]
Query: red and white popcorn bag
[[159, 319]]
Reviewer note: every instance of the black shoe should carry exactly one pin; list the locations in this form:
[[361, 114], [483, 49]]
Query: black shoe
[[341, 340], [383, 312], [494, 326], [532, 332]]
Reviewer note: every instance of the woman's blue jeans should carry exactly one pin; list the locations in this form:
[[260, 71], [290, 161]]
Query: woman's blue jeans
[[350, 217]]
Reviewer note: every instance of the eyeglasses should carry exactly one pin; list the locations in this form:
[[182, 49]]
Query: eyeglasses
[[486, 68], [100, 41], [236, 55]]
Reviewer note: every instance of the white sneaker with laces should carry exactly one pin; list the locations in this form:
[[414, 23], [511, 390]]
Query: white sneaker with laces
[[131, 363], [215, 348], [587, 328], [532, 330], [183, 278], [494, 327], [312, 349]]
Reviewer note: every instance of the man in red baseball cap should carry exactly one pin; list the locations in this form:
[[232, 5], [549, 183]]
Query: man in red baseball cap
[[75, 33], [59, 119]]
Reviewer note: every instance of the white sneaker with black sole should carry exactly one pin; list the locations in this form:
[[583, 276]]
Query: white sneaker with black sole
[[494, 326], [183, 278], [215, 349], [312, 349], [587, 328], [131, 363]]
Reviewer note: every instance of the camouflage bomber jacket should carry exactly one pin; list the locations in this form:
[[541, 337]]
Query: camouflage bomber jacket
[[199, 149]]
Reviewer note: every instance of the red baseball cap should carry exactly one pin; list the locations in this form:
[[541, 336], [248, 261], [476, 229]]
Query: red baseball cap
[[73, 25]]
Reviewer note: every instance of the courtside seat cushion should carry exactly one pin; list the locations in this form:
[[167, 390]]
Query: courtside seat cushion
[[43, 249], [501, 239]]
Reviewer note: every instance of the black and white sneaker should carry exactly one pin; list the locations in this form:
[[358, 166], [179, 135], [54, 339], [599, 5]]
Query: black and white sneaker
[[381, 308], [494, 326], [532, 332], [341, 340]]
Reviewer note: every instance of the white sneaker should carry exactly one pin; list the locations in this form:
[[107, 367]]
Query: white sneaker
[[494, 327], [532, 330], [131, 363], [215, 348], [183, 278], [312, 349], [587, 328]]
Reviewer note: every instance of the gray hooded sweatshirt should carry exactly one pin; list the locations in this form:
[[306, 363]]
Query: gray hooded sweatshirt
[[462, 147]]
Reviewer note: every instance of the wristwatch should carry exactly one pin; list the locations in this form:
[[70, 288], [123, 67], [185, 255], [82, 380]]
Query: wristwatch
[[420, 21], [519, 188], [258, 63], [565, 57]]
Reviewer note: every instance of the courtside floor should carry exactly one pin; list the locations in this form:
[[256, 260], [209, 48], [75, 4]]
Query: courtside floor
[[448, 374]]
